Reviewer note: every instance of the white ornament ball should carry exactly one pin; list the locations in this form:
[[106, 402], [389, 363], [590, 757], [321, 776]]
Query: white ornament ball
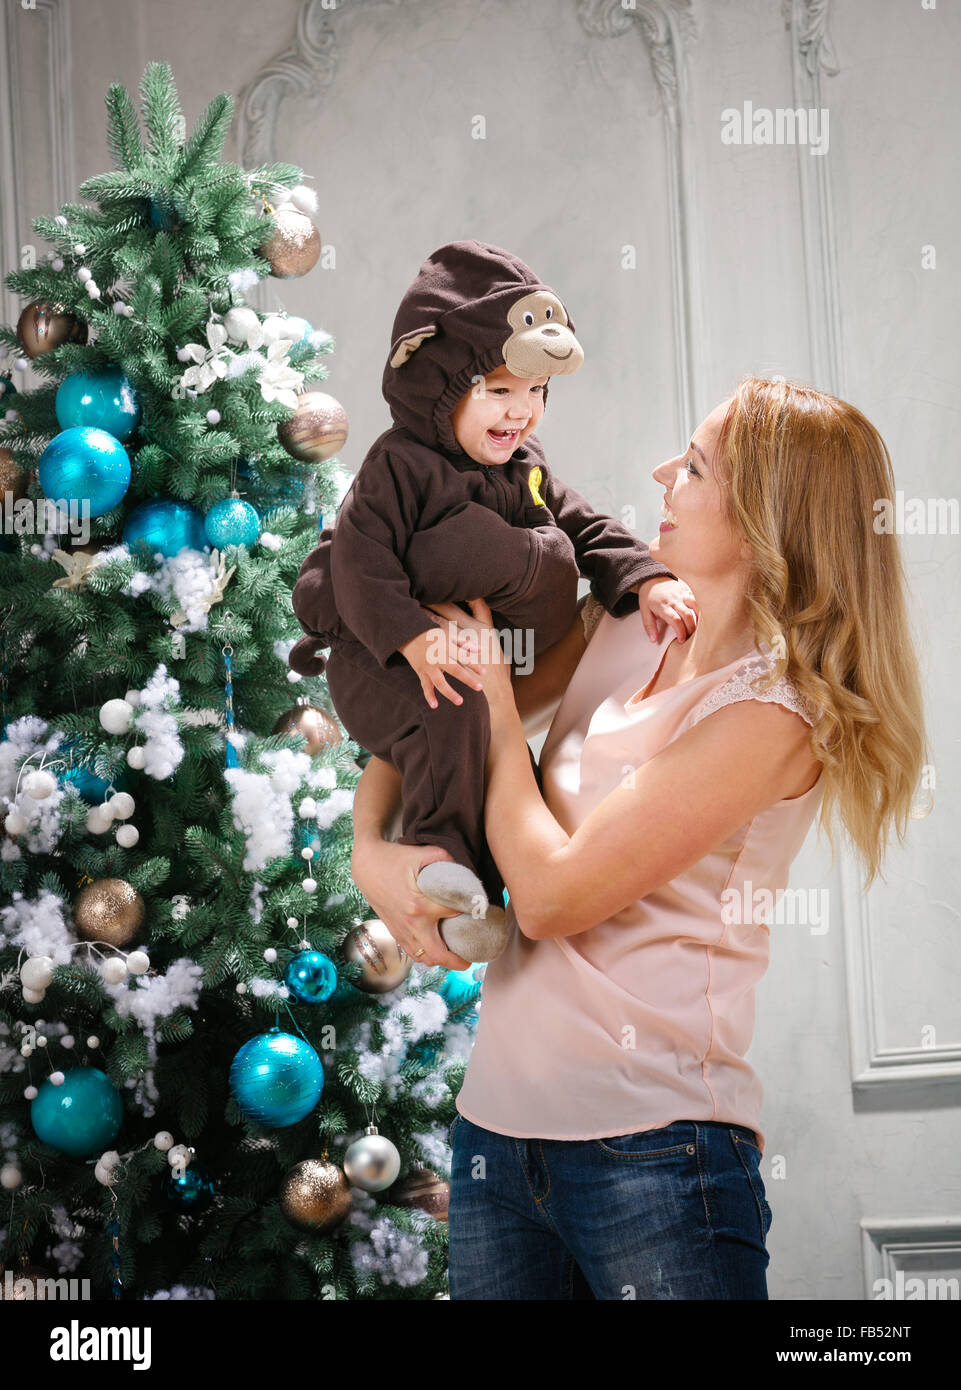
[[136, 757], [127, 836], [41, 1040], [163, 1140], [304, 198], [93, 289], [93, 1040], [132, 697], [121, 806], [37, 972], [115, 716], [119, 307], [138, 962], [84, 274], [111, 1159], [179, 1156], [57, 263], [270, 955], [68, 1040], [240, 322], [309, 885], [293, 922], [213, 417], [15, 822], [98, 820], [105, 1176], [241, 987], [292, 676], [33, 996], [114, 970], [307, 808], [30, 1093], [38, 785], [10, 1176], [306, 852], [26, 1050], [79, 248], [56, 1078]]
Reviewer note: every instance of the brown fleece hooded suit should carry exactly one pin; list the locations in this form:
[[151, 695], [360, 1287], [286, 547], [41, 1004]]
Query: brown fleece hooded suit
[[424, 523]]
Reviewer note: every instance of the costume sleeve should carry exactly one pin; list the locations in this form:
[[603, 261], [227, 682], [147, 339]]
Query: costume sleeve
[[607, 554], [374, 523]]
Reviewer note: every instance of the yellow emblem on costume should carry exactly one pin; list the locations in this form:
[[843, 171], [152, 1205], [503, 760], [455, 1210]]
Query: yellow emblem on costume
[[533, 482]]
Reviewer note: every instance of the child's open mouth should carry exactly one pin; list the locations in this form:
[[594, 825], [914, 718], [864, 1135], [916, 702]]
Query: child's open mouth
[[504, 436]]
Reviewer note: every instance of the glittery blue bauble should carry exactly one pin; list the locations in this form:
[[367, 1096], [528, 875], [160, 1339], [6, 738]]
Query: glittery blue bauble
[[85, 465], [166, 526], [311, 977], [461, 987], [231, 522], [276, 1079], [192, 1192], [82, 1116], [103, 400]]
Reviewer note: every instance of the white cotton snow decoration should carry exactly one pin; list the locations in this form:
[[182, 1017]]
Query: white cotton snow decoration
[[163, 751], [37, 925]]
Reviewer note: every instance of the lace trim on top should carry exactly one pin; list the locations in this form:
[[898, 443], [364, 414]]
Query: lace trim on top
[[738, 686], [591, 614]]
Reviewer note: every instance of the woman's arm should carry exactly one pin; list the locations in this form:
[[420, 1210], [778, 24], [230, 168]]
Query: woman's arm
[[663, 817], [386, 873]]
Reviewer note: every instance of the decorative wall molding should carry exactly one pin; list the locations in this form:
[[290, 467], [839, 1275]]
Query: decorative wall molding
[[307, 68], [668, 28], [914, 1247], [873, 1063], [813, 57], [45, 25]]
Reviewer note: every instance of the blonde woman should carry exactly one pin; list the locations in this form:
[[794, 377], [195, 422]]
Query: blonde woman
[[608, 1136]]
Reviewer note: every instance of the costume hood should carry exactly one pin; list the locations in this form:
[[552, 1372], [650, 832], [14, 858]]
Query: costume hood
[[472, 308]]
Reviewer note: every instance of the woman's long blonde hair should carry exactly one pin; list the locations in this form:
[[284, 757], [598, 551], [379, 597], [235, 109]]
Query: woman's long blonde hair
[[828, 596]]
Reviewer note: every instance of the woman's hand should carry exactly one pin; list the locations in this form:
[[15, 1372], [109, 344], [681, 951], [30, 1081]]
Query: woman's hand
[[478, 639], [386, 874]]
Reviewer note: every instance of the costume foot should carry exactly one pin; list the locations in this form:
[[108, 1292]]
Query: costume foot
[[480, 931], [476, 938]]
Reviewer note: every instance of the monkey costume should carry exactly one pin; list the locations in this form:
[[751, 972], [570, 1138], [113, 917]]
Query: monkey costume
[[424, 523]]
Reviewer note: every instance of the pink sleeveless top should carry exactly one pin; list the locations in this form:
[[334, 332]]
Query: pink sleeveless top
[[646, 1018]]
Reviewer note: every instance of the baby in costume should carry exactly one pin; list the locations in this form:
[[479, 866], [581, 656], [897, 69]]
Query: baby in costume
[[455, 502]]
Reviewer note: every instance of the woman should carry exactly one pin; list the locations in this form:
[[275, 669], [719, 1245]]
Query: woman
[[608, 1138]]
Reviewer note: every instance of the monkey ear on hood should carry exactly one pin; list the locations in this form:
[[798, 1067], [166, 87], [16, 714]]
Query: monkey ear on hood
[[406, 346]]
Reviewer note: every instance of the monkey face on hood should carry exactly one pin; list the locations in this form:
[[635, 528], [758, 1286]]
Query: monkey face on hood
[[472, 307]]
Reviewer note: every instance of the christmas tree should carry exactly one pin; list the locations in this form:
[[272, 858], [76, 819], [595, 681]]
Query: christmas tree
[[199, 1022]]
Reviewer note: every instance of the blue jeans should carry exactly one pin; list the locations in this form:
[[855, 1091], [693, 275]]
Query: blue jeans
[[672, 1213]]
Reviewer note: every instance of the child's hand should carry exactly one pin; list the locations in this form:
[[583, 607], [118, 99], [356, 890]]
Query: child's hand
[[669, 600], [434, 652]]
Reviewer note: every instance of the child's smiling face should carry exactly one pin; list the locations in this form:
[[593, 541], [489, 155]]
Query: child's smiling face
[[494, 417]]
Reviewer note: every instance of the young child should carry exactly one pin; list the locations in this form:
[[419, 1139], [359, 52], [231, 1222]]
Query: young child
[[455, 502]]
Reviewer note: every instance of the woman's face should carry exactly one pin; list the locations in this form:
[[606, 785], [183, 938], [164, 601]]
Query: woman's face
[[696, 540]]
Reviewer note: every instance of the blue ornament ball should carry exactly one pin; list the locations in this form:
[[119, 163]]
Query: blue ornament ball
[[276, 1079], [460, 987], [82, 1116], [90, 787], [103, 400], [232, 522], [7, 387], [166, 526], [300, 347], [85, 465], [193, 1191], [311, 977]]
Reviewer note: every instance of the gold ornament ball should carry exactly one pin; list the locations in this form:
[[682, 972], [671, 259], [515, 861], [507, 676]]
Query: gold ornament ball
[[384, 964], [315, 1195], [109, 910], [422, 1189], [292, 246], [43, 327], [317, 429], [315, 724], [13, 478], [26, 1275]]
